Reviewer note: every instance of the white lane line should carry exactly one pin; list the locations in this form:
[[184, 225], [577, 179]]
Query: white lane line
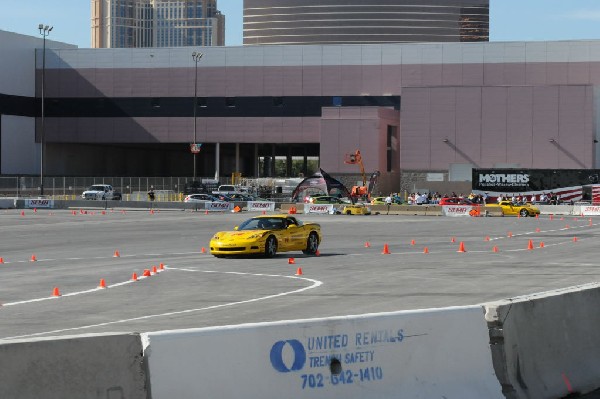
[[74, 293], [315, 284]]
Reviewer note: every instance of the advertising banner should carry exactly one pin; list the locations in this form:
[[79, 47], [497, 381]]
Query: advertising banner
[[39, 203], [589, 210], [258, 206], [218, 206], [319, 208], [457, 210]]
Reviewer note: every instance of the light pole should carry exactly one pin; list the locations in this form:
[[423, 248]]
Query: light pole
[[196, 56], [44, 31]]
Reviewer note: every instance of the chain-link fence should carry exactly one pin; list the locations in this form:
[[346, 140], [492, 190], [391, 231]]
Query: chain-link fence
[[134, 188]]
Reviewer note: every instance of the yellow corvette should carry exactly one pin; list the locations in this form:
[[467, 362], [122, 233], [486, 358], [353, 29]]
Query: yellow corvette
[[510, 209], [357, 209], [266, 235]]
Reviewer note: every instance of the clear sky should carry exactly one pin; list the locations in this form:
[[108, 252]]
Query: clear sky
[[510, 20]]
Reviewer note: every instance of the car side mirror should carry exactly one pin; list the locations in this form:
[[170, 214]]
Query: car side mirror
[[236, 228]]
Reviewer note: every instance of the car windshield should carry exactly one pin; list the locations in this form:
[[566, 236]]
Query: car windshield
[[263, 224], [96, 188]]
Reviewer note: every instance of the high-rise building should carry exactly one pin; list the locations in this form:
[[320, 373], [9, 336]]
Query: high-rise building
[[364, 21], [156, 23]]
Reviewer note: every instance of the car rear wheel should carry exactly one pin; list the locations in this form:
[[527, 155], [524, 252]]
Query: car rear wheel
[[348, 212], [312, 244], [271, 247], [524, 213]]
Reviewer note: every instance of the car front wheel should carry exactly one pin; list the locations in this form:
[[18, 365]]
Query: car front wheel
[[271, 247], [524, 213], [312, 244]]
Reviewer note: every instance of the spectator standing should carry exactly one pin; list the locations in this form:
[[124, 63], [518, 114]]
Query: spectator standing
[[388, 203]]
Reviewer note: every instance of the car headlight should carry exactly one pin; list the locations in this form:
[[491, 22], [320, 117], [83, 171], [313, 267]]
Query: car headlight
[[216, 237]]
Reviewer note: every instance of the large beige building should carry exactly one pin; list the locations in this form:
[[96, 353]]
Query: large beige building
[[364, 21], [156, 23]]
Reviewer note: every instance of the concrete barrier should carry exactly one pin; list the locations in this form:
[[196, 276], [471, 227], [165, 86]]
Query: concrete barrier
[[411, 354], [547, 345], [94, 366], [8, 203]]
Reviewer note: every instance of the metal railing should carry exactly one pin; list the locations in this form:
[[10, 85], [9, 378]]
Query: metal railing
[[131, 188]]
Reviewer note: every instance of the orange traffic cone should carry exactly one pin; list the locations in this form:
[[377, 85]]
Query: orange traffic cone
[[386, 250], [567, 226], [299, 271], [102, 283], [453, 239], [161, 266], [551, 217], [134, 277], [291, 261], [116, 254], [487, 238], [537, 230], [33, 258], [367, 244], [590, 221], [154, 270], [22, 213], [55, 292], [203, 250], [461, 247], [425, 250], [530, 245], [318, 253], [574, 239], [146, 273], [206, 212], [495, 249], [1, 260], [509, 234], [412, 242], [542, 244]]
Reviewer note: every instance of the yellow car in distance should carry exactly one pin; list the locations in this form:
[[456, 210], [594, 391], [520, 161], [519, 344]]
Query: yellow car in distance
[[357, 209], [267, 235], [510, 209]]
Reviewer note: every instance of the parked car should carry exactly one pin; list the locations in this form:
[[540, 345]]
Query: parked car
[[455, 201], [194, 187], [99, 192], [201, 198], [327, 199]]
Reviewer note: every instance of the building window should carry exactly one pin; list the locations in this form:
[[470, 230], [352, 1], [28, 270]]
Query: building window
[[337, 101], [230, 102], [278, 102]]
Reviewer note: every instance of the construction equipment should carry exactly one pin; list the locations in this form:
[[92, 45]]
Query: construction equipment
[[356, 159]]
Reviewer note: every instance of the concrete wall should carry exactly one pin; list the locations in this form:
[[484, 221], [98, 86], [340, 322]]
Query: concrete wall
[[16, 140], [411, 354], [546, 345], [83, 367]]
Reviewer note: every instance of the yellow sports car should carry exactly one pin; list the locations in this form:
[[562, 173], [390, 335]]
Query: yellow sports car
[[357, 209], [510, 209], [266, 235]]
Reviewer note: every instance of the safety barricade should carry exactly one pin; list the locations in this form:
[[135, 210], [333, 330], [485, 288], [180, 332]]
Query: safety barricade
[[259, 206], [218, 206], [411, 354], [457, 210], [319, 208]]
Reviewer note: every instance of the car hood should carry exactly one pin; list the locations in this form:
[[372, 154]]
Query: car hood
[[240, 235]]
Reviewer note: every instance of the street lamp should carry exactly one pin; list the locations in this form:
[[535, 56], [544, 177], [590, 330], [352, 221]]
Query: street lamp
[[44, 31], [196, 56]]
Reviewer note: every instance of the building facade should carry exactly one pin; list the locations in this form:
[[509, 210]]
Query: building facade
[[431, 110], [156, 23], [285, 22]]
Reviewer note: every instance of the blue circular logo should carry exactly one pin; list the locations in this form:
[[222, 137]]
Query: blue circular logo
[[277, 356]]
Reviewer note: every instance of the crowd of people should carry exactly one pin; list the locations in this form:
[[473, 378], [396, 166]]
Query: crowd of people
[[435, 198]]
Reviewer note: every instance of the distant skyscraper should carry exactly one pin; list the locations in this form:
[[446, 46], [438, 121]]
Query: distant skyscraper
[[364, 21], [156, 23]]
